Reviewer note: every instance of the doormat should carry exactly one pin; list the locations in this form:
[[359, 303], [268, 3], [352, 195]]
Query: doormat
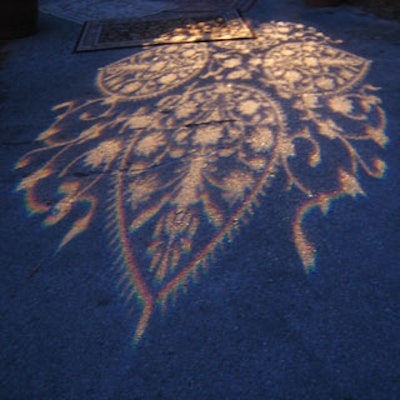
[[163, 28]]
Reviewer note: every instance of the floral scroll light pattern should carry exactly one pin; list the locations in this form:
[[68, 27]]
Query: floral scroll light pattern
[[189, 138]]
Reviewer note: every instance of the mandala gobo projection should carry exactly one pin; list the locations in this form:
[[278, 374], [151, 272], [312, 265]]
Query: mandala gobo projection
[[188, 138]]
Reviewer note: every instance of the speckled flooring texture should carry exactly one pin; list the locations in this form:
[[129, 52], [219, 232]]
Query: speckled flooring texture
[[209, 220]]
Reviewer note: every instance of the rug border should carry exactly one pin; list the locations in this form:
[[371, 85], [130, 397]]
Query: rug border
[[123, 45]]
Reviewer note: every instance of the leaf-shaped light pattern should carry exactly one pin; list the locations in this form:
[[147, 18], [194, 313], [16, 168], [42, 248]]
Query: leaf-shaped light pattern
[[153, 72], [189, 138], [181, 200], [312, 68]]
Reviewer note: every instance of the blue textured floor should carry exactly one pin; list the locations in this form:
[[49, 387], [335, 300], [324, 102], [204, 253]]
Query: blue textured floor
[[255, 325]]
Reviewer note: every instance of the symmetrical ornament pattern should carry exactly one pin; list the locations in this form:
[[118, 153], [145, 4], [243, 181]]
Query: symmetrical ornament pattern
[[188, 164], [150, 73]]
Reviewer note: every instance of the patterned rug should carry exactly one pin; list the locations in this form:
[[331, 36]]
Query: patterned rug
[[167, 28]]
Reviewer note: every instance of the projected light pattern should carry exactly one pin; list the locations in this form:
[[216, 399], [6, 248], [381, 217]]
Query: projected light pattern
[[189, 138]]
